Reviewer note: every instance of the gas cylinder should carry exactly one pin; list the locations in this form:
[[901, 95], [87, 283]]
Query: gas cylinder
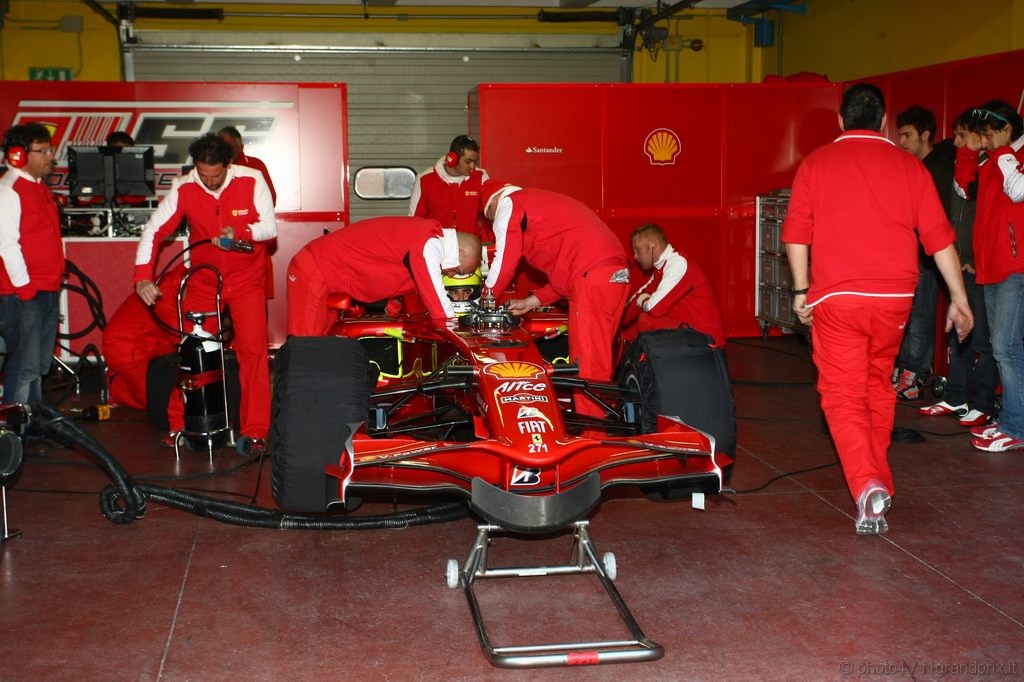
[[201, 377]]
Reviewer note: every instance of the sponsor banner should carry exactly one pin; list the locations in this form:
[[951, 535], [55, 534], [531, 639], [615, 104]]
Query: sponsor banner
[[308, 172]]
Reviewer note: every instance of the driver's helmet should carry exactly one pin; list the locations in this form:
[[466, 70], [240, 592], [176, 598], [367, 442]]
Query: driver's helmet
[[462, 290]]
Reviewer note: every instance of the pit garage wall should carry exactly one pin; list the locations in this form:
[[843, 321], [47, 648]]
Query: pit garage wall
[[598, 143], [950, 88], [297, 129]]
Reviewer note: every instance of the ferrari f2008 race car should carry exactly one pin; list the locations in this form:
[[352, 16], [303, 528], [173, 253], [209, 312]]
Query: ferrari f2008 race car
[[484, 409]]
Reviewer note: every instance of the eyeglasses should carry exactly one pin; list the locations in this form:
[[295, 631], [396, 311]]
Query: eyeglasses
[[983, 114], [48, 151]]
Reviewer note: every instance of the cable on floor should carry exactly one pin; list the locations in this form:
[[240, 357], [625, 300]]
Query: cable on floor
[[124, 500]]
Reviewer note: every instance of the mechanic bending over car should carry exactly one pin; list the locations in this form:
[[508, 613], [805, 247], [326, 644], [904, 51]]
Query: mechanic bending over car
[[376, 259], [223, 203], [584, 262], [678, 293]]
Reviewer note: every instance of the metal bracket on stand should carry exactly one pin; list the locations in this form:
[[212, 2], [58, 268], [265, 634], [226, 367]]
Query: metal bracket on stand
[[635, 650]]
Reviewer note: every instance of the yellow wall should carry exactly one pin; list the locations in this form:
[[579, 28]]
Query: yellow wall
[[31, 37], [726, 56], [843, 39], [847, 39]]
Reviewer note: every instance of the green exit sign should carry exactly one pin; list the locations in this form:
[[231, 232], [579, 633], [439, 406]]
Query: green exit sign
[[49, 73]]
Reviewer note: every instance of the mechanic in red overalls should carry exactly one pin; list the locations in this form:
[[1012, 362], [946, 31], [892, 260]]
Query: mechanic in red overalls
[[231, 135], [678, 293], [376, 259], [861, 203], [221, 201], [584, 262], [133, 337], [449, 192]]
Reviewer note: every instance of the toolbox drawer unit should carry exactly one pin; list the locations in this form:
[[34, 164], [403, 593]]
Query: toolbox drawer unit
[[773, 297]]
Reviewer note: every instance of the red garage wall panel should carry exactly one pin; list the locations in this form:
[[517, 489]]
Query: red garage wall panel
[[691, 158], [950, 88]]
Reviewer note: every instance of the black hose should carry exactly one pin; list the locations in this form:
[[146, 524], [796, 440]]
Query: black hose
[[124, 500], [93, 298]]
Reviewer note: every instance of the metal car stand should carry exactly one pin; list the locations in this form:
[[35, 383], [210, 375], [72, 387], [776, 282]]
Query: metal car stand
[[208, 436], [637, 649]]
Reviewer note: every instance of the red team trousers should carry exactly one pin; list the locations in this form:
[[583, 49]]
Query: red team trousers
[[856, 339], [595, 308], [249, 316]]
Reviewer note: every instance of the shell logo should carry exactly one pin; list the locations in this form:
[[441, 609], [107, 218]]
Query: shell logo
[[514, 370], [662, 146]]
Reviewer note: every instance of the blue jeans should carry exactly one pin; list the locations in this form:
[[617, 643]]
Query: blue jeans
[[1004, 303], [918, 348], [971, 381], [29, 329]]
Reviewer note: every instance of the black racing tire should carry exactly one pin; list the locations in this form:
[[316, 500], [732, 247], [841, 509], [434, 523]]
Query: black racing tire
[[322, 385], [677, 373]]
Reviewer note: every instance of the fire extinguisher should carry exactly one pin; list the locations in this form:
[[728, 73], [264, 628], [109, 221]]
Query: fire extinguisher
[[201, 378]]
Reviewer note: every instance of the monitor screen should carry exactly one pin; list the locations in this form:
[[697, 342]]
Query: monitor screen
[[133, 171], [89, 173]]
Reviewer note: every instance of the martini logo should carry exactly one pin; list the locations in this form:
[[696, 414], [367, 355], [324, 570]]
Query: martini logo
[[523, 398], [662, 146], [514, 370]]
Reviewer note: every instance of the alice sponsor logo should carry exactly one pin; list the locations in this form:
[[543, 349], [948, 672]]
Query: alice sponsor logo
[[516, 386]]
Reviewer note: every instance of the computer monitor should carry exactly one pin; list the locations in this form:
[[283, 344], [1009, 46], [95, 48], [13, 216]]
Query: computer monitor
[[91, 173], [109, 172], [133, 171]]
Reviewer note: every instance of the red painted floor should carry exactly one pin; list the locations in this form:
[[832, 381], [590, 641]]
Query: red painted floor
[[772, 584]]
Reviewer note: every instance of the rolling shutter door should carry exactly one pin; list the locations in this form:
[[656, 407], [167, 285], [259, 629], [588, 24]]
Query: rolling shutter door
[[405, 105]]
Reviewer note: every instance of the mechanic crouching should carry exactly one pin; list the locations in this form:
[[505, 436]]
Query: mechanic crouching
[[376, 259], [678, 293], [584, 262]]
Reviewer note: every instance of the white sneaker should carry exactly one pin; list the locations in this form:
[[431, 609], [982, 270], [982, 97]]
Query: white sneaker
[[944, 408], [974, 418], [872, 506]]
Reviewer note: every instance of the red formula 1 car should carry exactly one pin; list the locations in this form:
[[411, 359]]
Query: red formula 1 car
[[483, 409]]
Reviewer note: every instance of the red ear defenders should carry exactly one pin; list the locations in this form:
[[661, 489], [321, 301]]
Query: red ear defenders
[[17, 157], [451, 159]]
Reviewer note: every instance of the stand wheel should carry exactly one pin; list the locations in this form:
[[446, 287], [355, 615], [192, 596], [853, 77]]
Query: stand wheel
[[939, 386], [610, 567], [452, 573]]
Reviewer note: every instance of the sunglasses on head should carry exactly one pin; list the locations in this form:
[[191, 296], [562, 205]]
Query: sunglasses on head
[[983, 114]]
